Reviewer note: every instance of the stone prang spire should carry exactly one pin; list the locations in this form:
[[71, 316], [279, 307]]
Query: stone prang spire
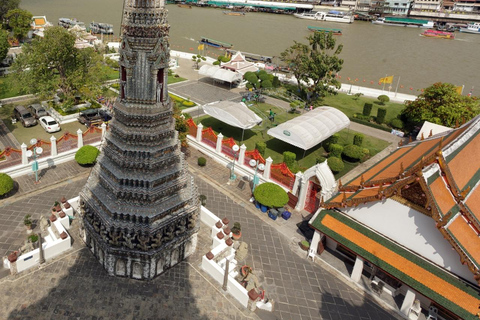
[[140, 204]]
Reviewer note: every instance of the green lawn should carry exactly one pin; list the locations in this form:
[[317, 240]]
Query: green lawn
[[7, 90], [276, 147], [173, 79]]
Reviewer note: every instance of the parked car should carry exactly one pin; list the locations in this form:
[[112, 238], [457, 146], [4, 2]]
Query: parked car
[[49, 124], [37, 110], [93, 117], [24, 116]]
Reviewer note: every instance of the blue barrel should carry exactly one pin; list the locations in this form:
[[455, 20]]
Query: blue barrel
[[257, 204], [263, 208]]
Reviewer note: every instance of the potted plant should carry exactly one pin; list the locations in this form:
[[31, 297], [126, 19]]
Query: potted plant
[[236, 231], [305, 245], [27, 221], [33, 238], [203, 199], [57, 206]]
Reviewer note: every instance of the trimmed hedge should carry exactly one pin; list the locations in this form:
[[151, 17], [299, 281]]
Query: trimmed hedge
[[336, 150], [333, 139], [381, 113], [261, 147], [320, 160], [358, 139], [367, 109], [87, 155], [353, 153], [371, 124], [202, 161], [289, 158], [6, 184], [271, 195], [397, 123], [383, 98], [335, 164]]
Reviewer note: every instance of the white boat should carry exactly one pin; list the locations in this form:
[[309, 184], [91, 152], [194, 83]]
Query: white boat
[[404, 22], [98, 27], [70, 23], [330, 16], [473, 27]]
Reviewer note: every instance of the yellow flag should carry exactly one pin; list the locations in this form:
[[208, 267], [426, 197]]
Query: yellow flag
[[200, 47], [459, 89], [386, 79]]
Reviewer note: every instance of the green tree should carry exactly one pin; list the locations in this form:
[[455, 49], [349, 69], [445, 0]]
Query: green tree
[[53, 63], [440, 104], [7, 5], [4, 45], [323, 64], [197, 59], [19, 22], [295, 58]]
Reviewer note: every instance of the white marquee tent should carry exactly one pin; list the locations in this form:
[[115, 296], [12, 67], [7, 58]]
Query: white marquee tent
[[218, 73], [311, 128], [235, 114]]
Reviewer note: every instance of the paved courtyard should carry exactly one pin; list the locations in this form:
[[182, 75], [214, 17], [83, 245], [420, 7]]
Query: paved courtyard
[[75, 286]]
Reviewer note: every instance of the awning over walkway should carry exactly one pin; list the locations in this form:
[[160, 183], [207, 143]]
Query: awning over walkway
[[220, 74], [311, 128], [235, 114]]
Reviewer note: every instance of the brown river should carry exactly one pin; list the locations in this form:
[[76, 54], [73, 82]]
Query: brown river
[[370, 51]]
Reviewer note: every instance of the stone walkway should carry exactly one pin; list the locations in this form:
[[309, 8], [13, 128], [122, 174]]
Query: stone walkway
[[75, 286]]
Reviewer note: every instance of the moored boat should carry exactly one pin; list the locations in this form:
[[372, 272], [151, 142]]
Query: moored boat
[[185, 5], [215, 43], [234, 13], [330, 16], [337, 32], [404, 22], [438, 34], [101, 28], [473, 27], [69, 23]]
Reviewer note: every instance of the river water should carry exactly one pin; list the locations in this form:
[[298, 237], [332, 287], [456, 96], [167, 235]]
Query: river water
[[370, 51]]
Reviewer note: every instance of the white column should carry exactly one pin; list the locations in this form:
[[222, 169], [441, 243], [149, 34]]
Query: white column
[[268, 167], [199, 132], [302, 195], [53, 146], [104, 130], [315, 241], [79, 138], [24, 153], [407, 302], [241, 155], [219, 143], [357, 270], [298, 177]]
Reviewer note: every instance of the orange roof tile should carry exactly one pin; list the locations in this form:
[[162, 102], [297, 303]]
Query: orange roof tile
[[465, 164], [473, 202], [430, 280], [442, 195], [467, 237]]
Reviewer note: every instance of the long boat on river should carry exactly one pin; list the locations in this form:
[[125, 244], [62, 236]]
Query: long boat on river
[[215, 43], [404, 22], [337, 32]]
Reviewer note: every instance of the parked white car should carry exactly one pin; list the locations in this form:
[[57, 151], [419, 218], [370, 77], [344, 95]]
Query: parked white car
[[49, 124]]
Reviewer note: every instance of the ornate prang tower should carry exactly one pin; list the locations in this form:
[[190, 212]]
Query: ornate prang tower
[[140, 204]]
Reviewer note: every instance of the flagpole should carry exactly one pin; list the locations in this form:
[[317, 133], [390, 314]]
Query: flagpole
[[463, 87], [384, 80], [389, 84], [398, 83]]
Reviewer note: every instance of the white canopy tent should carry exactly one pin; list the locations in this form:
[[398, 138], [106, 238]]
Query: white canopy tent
[[218, 73], [235, 114], [311, 128]]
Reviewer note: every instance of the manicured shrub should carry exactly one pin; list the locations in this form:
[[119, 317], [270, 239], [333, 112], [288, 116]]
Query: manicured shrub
[[333, 139], [33, 238], [270, 195], [289, 158], [261, 147], [336, 150], [361, 116], [87, 155], [353, 153], [267, 84], [276, 82], [202, 161], [263, 76], [358, 139], [6, 184], [335, 164], [383, 99], [381, 113], [397, 123], [367, 109], [320, 160]]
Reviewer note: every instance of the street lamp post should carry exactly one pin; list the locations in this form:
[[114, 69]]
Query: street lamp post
[[36, 151], [257, 165], [235, 149]]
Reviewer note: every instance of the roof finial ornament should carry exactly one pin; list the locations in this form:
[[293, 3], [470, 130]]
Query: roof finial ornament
[[431, 133], [362, 180], [422, 138]]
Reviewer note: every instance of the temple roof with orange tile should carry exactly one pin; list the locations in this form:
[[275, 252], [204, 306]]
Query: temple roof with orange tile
[[431, 281], [442, 196], [466, 237]]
